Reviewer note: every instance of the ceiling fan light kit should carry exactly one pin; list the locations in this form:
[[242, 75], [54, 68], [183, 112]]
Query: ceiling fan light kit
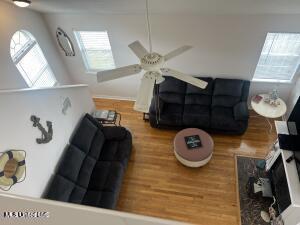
[[153, 64], [22, 3]]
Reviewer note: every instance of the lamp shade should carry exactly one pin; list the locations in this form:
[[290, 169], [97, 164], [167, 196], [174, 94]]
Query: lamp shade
[[22, 3]]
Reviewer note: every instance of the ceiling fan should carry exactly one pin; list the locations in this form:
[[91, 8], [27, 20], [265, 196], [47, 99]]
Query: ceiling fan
[[153, 64]]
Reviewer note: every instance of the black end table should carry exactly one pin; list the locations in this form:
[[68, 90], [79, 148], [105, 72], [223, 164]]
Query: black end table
[[107, 117]]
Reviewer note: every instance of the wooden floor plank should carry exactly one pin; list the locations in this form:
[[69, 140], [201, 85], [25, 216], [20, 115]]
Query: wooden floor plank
[[156, 184]]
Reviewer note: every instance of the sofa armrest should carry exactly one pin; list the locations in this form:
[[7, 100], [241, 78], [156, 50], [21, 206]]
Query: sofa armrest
[[241, 111], [115, 133], [154, 104]]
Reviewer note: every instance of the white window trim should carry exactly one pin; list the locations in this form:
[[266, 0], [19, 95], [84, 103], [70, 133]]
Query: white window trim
[[272, 81], [83, 54]]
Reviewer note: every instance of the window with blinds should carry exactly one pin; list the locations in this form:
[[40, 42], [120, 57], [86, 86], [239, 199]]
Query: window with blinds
[[96, 50], [279, 58], [30, 60]]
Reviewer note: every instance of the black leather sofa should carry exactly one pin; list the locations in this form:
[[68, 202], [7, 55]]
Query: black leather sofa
[[92, 167], [221, 107]]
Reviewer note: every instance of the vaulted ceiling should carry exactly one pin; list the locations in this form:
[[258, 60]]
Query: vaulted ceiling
[[170, 6]]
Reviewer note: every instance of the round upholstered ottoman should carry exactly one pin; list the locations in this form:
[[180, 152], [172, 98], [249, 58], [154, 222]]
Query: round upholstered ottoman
[[186, 150]]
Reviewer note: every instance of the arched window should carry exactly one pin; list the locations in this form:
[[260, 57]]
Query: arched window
[[30, 60]]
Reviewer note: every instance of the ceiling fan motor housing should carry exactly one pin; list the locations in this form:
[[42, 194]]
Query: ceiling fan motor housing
[[152, 62]]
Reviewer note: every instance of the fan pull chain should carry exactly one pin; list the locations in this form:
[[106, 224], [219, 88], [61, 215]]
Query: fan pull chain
[[158, 104], [155, 102], [148, 26], [156, 99]]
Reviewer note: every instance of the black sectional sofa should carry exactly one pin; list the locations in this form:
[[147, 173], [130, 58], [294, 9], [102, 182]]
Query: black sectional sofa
[[92, 168], [221, 107]]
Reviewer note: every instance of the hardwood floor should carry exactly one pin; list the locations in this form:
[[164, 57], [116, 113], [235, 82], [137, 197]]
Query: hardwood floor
[[156, 184]]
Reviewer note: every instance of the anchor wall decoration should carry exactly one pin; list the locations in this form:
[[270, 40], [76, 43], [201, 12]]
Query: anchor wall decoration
[[46, 135]]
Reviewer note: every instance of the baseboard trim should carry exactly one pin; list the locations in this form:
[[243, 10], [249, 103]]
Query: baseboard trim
[[115, 97], [130, 99]]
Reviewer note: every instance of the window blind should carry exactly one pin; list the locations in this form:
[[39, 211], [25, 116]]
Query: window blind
[[34, 68], [279, 58], [96, 50], [30, 61]]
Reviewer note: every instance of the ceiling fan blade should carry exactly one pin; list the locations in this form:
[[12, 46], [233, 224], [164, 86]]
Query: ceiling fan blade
[[145, 94], [138, 49], [184, 77], [177, 52], [108, 75]]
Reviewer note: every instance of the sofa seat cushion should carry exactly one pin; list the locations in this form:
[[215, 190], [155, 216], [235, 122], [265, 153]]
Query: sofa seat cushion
[[117, 150], [222, 118], [197, 99], [171, 114], [241, 112], [196, 116], [225, 101], [106, 176], [102, 199], [115, 133], [104, 184]]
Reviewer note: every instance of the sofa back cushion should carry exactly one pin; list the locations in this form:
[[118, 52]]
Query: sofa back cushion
[[172, 90], [71, 163], [94, 121], [228, 87], [229, 92], [198, 96], [245, 91], [192, 89], [84, 134]]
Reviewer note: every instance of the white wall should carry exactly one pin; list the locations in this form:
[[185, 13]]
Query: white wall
[[224, 45], [12, 19], [66, 213], [17, 131]]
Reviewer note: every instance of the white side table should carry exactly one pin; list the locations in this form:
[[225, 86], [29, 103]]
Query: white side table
[[269, 111]]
